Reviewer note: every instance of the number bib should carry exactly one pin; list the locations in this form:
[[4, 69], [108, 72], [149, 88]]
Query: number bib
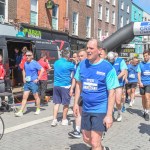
[[90, 85], [28, 78], [132, 76]]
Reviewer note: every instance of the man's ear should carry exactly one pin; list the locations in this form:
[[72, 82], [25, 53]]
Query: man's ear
[[99, 51]]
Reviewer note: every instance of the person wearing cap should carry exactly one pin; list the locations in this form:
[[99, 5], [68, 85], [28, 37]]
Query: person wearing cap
[[96, 80], [31, 79], [121, 70]]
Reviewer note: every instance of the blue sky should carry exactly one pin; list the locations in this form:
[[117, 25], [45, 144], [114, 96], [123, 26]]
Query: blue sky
[[144, 4]]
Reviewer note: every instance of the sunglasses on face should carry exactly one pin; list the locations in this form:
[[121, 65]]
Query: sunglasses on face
[[28, 55]]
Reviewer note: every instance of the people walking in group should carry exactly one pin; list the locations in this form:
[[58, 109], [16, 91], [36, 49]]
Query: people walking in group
[[63, 69], [132, 80], [144, 83], [95, 84], [121, 70], [31, 79], [82, 54], [43, 80]]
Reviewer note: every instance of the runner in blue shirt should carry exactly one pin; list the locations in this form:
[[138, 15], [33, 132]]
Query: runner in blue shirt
[[144, 82], [96, 81], [132, 79], [121, 70], [31, 79]]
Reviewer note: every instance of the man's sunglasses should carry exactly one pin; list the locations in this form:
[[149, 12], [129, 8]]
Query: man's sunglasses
[[28, 55]]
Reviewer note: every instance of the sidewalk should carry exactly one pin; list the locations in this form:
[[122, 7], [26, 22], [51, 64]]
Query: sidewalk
[[132, 133]]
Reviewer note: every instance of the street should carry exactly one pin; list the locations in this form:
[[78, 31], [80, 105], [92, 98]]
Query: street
[[35, 132]]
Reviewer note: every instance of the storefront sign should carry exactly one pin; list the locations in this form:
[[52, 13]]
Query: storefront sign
[[32, 33], [128, 46], [128, 50], [141, 28], [124, 54]]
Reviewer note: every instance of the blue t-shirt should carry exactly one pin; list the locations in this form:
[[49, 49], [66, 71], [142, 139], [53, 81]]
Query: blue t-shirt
[[62, 72], [144, 69], [31, 70], [96, 81], [132, 73], [120, 65]]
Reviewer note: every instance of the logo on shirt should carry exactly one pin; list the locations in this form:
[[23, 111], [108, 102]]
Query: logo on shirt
[[100, 73], [116, 64]]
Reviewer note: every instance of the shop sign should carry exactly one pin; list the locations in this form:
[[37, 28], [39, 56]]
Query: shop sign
[[32, 33]]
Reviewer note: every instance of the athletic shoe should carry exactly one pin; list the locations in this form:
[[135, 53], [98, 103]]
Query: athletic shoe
[[144, 114], [19, 114], [106, 148], [54, 123], [130, 105], [75, 134], [37, 112], [123, 108], [119, 117], [64, 122], [146, 117]]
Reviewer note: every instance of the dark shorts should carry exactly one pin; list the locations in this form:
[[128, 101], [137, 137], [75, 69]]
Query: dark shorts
[[145, 89], [93, 122], [61, 95], [131, 85], [31, 86], [80, 103]]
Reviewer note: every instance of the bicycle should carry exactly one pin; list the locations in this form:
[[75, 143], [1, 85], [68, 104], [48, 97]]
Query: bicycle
[[2, 127]]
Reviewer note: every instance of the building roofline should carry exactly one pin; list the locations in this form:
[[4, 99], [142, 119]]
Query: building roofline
[[137, 6]]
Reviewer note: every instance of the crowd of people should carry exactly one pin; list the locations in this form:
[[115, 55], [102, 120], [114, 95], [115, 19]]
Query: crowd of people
[[99, 82]]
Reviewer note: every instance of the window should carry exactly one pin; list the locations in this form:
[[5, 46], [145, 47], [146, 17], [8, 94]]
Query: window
[[108, 1], [106, 33], [2, 8], [113, 2], [121, 21], [55, 18], [99, 34], [134, 14], [34, 12], [113, 18], [88, 2], [127, 21], [128, 9], [107, 15], [122, 5], [75, 23], [139, 17], [100, 12], [88, 27]]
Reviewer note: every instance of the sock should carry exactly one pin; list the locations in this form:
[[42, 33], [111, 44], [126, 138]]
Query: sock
[[147, 111], [78, 128], [20, 110], [119, 111], [37, 109]]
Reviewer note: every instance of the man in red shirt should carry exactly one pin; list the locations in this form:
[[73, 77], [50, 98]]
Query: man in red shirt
[[2, 74], [43, 80], [24, 58]]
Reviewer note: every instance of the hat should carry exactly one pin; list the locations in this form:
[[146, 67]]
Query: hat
[[111, 55]]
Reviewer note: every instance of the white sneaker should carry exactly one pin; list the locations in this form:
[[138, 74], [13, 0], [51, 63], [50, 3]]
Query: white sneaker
[[119, 117], [131, 103], [37, 112], [64, 122], [19, 114], [54, 123]]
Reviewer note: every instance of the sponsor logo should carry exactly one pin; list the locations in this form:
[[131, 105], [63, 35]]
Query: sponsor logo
[[100, 73]]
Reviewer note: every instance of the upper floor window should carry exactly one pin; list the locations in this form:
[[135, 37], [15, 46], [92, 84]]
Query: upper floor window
[[121, 21], [113, 18], [139, 19], [88, 27], [75, 23], [55, 17], [106, 33], [128, 9], [89, 2], [107, 15], [34, 12], [127, 20], [134, 14], [99, 34], [113, 2], [100, 11], [2, 8], [122, 5]]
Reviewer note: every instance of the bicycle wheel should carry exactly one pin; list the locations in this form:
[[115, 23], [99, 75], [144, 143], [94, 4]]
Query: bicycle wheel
[[1, 127]]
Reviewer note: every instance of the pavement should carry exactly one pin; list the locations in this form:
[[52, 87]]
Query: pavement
[[35, 132]]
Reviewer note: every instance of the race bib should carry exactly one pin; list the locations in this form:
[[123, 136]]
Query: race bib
[[132, 76], [28, 78], [90, 85]]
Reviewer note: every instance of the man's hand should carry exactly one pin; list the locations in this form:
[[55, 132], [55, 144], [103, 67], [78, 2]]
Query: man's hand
[[141, 84], [76, 110], [71, 92], [36, 81], [108, 121]]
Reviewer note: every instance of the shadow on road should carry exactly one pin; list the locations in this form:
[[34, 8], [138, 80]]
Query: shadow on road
[[135, 111], [80, 146], [144, 128]]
